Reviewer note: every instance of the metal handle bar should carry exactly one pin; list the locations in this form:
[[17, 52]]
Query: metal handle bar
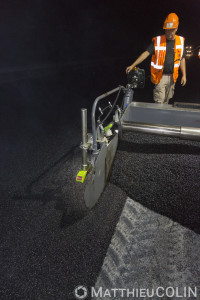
[[94, 131]]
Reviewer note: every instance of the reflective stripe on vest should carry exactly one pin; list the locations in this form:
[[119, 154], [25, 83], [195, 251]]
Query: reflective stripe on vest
[[182, 48], [158, 48], [158, 59], [156, 66], [199, 54]]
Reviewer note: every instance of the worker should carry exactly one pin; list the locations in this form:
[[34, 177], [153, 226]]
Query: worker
[[167, 55], [199, 53]]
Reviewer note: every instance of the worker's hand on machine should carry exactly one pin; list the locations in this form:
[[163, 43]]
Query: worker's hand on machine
[[183, 80], [128, 69]]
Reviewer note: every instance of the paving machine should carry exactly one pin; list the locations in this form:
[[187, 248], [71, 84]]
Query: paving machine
[[123, 114]]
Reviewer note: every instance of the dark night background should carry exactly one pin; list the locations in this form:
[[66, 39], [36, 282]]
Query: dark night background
[[57, 57]]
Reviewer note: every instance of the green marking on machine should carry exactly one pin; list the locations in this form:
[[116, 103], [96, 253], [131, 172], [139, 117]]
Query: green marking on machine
[[89, 168], [81, 176], [108, 127]]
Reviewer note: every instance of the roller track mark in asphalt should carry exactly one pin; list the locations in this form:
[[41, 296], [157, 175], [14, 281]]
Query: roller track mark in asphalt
[[153, 256]]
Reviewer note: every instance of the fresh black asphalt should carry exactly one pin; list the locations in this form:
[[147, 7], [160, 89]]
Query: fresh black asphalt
[[46, 251]]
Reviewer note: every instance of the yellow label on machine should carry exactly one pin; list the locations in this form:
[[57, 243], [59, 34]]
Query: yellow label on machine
[[81, 176]]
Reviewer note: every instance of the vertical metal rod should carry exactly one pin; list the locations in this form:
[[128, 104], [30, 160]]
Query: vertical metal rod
[[84, 138]]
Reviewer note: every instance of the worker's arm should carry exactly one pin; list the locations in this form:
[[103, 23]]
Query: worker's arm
[[183, 70], [138, 61]]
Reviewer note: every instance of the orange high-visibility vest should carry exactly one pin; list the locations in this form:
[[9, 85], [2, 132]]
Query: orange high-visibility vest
[[199, 53], [158, 59]]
